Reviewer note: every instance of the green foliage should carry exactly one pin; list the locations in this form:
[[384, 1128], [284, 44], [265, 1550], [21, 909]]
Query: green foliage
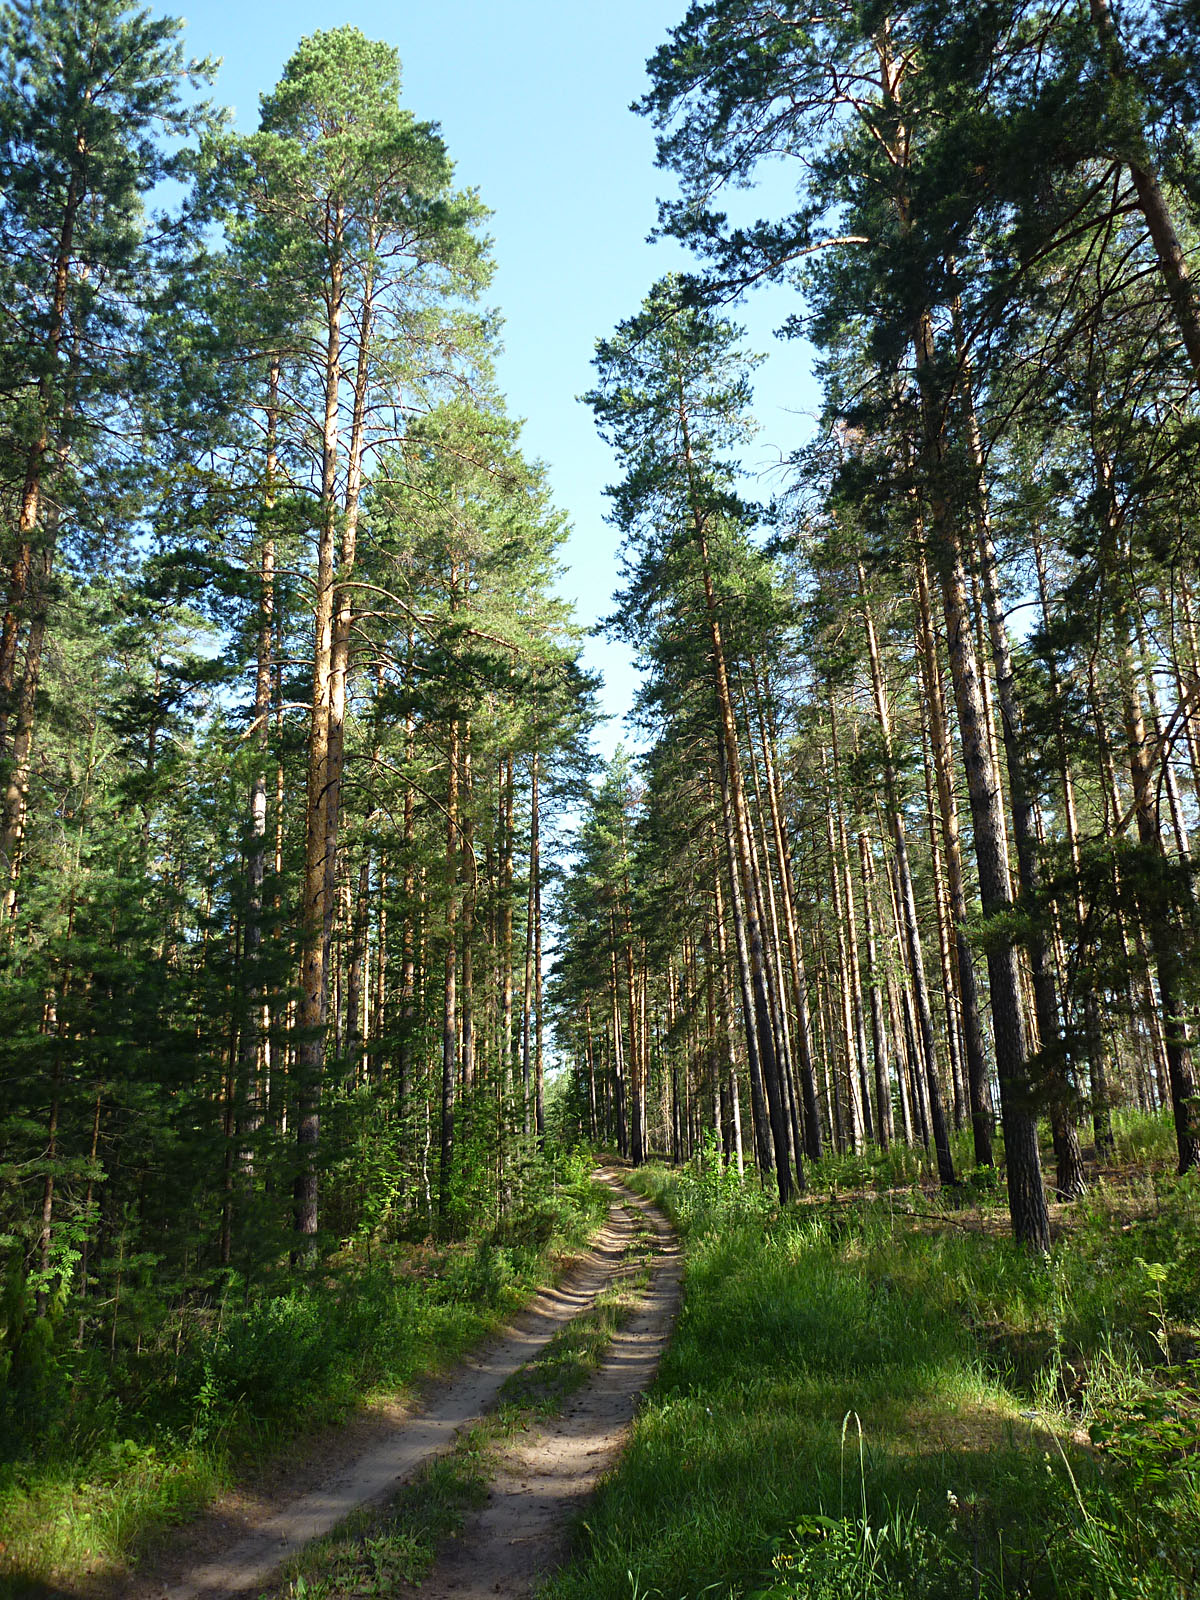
[[827, 1558]]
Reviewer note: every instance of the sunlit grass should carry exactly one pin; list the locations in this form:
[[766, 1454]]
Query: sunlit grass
[[974, 1371]]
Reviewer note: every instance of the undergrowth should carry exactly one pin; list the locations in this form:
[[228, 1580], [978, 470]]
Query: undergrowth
[[877, 1399], [96, 1457]]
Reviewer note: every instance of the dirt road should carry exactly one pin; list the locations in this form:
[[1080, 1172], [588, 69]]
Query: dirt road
[[540, 1484]]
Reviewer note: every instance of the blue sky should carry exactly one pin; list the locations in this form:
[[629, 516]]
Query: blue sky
[[532, 97]]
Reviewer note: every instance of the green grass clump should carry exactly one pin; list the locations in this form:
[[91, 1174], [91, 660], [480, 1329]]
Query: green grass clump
[[373, 1552], [1028, 1426], [1144, 1141]]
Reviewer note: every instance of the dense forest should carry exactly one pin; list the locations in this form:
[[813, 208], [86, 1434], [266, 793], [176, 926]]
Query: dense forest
[[910, 851], [324, 934]]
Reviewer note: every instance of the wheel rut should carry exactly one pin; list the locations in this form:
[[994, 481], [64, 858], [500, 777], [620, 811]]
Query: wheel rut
[[545, 1478], [540, 1482]]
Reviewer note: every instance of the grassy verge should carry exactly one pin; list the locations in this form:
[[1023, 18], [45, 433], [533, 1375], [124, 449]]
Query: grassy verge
[[224, 1401], [867, 1400], [373, 1551]]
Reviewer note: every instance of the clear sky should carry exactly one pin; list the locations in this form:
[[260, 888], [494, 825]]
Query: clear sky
[[533, 97]]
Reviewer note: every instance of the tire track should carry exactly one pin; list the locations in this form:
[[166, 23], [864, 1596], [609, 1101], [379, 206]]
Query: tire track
[[543, 1481], [457, 1402]]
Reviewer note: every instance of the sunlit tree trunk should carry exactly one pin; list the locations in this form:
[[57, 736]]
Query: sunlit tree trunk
[[803, 1031], [450, 984], [841, 918], [1027, 1200], [964, 958], [316, 915], [879, 1038], [758, 1102]]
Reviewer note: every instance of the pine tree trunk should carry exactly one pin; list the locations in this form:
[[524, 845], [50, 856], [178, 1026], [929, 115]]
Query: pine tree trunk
[[619, 1095], [535, 867], [16, 789], [735, 1109], [34, 581], [450, 984], [527, 1010], [30, 512], [950, 997], [964, 959], [903, 1063], [803, 1032], [507, 840], [1027, 1200], [853, 1101], [769, 915], [408, 943], [255, 1021], [758, 1101], [470, 878], [760, 872], [854, 969], [317, 903], [879, 1038], [1170, 782]]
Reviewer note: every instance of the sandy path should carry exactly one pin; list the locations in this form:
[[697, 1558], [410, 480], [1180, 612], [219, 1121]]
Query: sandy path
[[402, 1443], [522, 1534]]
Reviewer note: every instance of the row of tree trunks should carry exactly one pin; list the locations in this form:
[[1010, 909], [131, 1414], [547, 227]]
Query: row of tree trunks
[[929, 1085]]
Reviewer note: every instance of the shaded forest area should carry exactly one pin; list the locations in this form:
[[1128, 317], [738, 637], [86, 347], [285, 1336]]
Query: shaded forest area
[[310, 881]]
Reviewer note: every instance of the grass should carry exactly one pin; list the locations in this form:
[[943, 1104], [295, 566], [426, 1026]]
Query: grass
[[280, 1366], [865, 1399]]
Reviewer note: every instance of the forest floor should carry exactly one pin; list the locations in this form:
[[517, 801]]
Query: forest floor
[[559, 1389], [876, 1399]]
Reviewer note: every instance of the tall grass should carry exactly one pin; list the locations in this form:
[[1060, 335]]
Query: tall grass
[[1024, 1422]]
